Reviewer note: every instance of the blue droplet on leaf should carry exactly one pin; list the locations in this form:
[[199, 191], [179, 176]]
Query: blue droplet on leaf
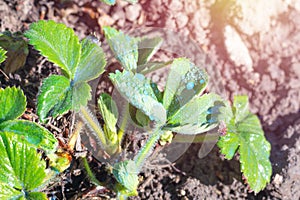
[[209, 111], [201, 81], [140, 76], [190, 85], [212, 120]]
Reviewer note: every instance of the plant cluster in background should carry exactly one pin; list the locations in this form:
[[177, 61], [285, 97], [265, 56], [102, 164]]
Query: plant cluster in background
[[16, 48], [181, 108]]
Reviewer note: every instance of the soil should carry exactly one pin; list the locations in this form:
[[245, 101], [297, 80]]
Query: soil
[[251, 48]]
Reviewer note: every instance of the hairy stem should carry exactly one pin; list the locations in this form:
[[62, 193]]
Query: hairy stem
[[89, 172], [93, 124], [148, 148]]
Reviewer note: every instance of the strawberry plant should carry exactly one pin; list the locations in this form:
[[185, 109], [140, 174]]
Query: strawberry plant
[[62, 47], [181, 108], [80, 62], [22, 171], [12, 106], [245, 135]]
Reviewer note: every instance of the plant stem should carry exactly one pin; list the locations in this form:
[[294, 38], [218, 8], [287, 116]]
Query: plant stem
[[94, 125], [148, 148], [89, 172]]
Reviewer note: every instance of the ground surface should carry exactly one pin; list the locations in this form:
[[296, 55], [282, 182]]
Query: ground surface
[[254, 49]]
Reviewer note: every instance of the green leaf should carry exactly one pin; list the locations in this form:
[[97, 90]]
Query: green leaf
[[21, 168], [33, 133], [92, 62], [58, 43], [109, 2], [245, 134], [197, 116], [147, 47], [54, 97], [2, 55], [37, 195], [126, 173], [58, 96], [229, 144], [254, 153], [109, 111], [158, 94], [111, 136], [240, 108], [8, 192], [151, 66], [226, 114], [142, 119], [81, 94], [17, 50], [81, 62], [12, 103], [125, 48], [137, 90], [185, 80], [138, 117]]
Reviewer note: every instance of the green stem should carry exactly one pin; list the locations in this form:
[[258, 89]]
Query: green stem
[[148, 148], [93, 124], [89, 172]]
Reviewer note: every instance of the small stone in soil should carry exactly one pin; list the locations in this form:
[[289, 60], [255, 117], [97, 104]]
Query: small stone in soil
[[182, 192], [133, 12], [278, 179]]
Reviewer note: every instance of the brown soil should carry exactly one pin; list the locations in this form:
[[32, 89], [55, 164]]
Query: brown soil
[[257, 53]]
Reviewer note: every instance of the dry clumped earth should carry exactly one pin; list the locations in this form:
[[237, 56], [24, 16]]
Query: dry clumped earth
[[251, 48]]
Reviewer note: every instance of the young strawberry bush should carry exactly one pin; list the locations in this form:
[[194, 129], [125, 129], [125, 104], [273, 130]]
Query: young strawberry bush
[[22, 171], [181, 107]]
